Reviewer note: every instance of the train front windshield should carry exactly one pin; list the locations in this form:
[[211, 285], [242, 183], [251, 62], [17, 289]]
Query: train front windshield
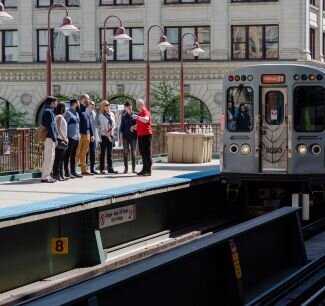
[[240, 104], [309, 109]]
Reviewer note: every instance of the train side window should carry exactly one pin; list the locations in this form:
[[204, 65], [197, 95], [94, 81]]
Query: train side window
[[240, 109], [274, 107], [309, 109]]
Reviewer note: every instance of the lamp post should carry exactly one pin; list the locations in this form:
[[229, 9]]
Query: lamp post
[[66, 29], [196, 51], [120, 35], [163, 46]]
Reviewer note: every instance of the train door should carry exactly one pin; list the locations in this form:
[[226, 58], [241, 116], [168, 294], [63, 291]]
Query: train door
[[274, 130]]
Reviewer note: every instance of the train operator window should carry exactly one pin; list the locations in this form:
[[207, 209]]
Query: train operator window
[[309, 109], [240, 109], [274, 107]]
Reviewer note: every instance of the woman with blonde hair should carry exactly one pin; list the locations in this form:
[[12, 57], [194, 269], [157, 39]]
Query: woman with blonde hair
[[107, 125]]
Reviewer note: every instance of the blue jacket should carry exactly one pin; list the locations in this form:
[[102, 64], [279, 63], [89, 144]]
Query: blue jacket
[[73, 120], [86, 126], [126, 122], [48, 121]]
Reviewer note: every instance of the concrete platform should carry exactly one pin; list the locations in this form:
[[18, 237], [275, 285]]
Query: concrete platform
[[29, 198]]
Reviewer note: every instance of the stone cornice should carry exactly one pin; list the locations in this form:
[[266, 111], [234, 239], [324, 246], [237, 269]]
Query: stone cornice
[[82, 72]]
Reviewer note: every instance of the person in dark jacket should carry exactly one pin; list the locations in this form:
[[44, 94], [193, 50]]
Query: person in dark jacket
[[86, 134], [48, 121], [129, 136], [72, 118], [243, 120]]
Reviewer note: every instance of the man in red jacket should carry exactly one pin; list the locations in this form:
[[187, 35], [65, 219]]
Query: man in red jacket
[[144, 132]]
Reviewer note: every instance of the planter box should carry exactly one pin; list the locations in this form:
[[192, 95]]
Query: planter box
[[189, 148]]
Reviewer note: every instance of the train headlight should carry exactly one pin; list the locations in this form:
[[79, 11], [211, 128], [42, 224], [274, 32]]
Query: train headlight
[[302, 149], [316, 149], [234, 148], [245, 149]]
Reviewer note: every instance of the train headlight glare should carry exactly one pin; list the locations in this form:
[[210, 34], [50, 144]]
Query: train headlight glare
[[245, 149], [250, 78], [312, 77], [302, 149], [316, 149], [296, 77], [319, 77], [233, 149]]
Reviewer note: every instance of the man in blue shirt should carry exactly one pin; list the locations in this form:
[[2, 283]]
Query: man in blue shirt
[[86, 134], [129, 136], [48, 121], [73, 120]]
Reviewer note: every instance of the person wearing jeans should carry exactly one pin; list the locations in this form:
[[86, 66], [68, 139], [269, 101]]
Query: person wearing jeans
[[72, 118], [93, 144], [48, 121], [144, 132], [129, 136], [106, 120]]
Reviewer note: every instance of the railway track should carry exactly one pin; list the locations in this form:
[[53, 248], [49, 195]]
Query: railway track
[[306, 286]]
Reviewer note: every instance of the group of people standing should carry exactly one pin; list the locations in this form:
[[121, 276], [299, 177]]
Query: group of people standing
[[72, 137]]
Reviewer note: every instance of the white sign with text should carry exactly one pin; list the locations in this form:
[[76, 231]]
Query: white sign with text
[[116, 216]]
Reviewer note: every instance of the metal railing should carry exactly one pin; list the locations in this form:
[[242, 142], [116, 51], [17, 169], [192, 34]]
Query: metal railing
[[21, 151]]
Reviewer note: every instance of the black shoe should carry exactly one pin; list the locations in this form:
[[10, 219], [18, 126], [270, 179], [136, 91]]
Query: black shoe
[[146, 174], [125, 171], [94, 172], [112, 171], [133, 171], [140, 173], [48, 180], [77, 175]]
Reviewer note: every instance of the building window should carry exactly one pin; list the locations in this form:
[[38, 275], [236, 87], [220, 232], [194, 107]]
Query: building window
[[312, 43], [255, 42], [313, 2], [64, 49], [9, 3], [9, 46], [121, 2], [47, 3], [174, 35], [132, 50], [186, 1], [243, 1]]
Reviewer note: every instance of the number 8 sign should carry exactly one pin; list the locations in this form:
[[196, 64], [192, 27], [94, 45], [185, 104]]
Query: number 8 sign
[[60, 246]]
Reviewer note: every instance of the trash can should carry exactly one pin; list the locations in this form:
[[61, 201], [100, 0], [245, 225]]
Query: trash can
[[189, 148]]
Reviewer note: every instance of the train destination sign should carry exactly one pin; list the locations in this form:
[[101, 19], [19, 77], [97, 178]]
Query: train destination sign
[[273, 78], [116, 216]]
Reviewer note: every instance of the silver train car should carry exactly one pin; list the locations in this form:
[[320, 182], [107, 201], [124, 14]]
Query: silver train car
[[273, 122]]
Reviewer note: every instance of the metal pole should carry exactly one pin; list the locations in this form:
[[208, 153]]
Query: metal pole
[[148, 76], [104, 55], [49, 55], [8, 115], [49, 47], [181, 102], [182, 94]]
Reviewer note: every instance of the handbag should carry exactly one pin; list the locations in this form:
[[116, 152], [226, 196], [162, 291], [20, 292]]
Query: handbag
[[61, 145]]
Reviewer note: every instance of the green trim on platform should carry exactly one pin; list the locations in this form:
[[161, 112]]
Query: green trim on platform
[[19, 177]]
